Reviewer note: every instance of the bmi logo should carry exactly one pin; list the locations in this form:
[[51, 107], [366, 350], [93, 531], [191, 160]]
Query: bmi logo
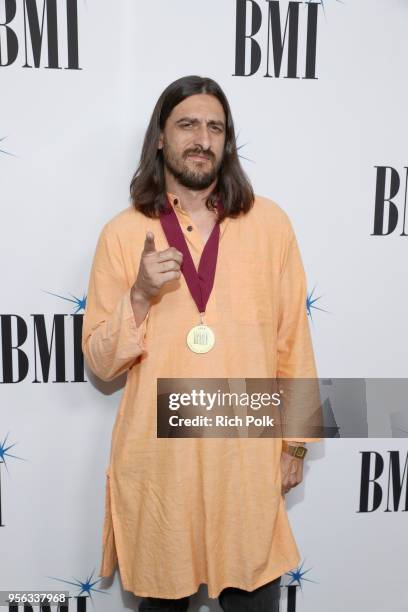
[[388, 212], [384, 482], [45, 32], [264, 35], [47, 345]]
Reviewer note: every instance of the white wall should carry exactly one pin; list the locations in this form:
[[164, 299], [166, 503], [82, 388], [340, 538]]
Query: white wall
[[75, 138]]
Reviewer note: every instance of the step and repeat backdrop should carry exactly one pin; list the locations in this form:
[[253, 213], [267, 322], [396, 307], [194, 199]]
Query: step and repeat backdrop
[[318, 92]]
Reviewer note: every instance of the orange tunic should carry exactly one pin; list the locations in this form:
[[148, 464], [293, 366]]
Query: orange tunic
[[184, 511]]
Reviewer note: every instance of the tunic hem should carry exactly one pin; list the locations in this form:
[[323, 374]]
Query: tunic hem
[[214, 594]]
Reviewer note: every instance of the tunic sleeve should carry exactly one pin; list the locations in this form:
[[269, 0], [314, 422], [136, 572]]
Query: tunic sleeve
[[295, 351], [111, 340]]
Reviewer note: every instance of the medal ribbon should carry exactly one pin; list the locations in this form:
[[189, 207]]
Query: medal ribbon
[[200, 283]]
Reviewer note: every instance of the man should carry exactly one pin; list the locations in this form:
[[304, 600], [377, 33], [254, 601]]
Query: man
[[186, 511]]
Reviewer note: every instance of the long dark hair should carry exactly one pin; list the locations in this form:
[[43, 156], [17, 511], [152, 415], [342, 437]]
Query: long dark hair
[[147, 188]]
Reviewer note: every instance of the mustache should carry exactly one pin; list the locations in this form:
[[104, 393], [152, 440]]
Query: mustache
[[199, 151]]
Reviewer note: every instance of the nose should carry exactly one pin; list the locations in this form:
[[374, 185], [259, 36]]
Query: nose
[[203, 137]]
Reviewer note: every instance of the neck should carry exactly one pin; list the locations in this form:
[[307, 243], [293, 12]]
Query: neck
[[192, 201]]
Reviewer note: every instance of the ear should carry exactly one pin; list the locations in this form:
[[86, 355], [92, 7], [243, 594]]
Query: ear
[[160, 144]]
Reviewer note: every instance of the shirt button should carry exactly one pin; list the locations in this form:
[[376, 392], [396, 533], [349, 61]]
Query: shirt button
[[190, 228]]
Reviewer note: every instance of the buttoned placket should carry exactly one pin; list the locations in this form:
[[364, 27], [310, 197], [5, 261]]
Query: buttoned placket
[[188, 226], [190, 231]]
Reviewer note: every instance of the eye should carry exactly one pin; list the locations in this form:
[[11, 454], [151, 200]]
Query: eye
[[217, 128], [185, 124]]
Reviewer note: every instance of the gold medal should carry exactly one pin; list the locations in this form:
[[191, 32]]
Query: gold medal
[[200, 338]]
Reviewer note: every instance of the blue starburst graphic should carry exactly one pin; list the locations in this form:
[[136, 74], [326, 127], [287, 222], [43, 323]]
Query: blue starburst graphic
[[310, 303], [404, 431], [80, 303], [297, 575], [322, 3], [6, 152], [239, 147], [86, 586], [4, 452]]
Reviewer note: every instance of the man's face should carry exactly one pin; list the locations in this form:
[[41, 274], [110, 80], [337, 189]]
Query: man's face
[[193, 141]]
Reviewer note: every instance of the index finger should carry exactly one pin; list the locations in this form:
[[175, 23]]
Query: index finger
[[170, 254]]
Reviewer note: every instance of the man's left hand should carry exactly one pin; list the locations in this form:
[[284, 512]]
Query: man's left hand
[[291, 471]]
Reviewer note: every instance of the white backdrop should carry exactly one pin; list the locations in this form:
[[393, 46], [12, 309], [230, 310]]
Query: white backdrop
[[70, 141]]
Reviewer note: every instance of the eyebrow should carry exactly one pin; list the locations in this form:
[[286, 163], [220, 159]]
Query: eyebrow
[[195, 120]]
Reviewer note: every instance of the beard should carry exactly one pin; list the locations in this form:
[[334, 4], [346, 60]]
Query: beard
[[195, 176]]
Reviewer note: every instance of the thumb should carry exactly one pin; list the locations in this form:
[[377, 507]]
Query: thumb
[[149, 246]]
